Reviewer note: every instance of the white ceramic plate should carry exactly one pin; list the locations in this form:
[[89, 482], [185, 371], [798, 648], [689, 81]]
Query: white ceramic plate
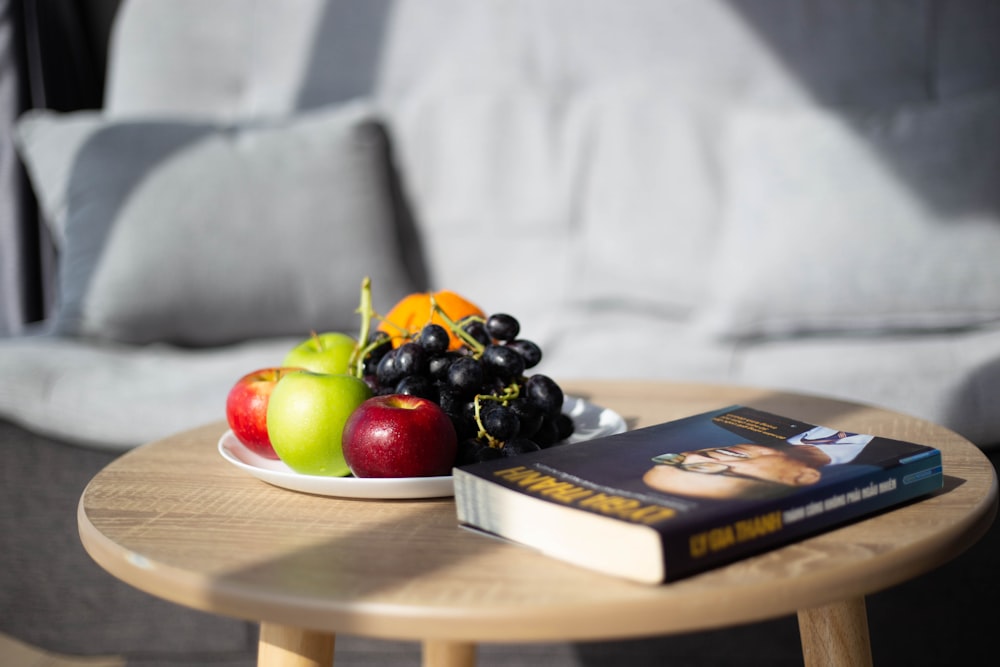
[[589, 421]]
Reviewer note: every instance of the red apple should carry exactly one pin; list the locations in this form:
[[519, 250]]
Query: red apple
[[399, 435], [246, 408]]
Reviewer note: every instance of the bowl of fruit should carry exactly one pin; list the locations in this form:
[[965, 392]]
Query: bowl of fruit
[[433, 384]]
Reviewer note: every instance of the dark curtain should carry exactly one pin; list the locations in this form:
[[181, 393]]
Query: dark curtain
[[18, 256], [52, 55]]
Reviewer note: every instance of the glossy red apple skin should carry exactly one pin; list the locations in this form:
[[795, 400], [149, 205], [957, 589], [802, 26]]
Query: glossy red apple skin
[[399, 436], [246, 408]]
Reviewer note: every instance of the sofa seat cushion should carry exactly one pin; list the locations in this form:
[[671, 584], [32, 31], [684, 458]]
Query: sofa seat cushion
[[949, 377], [624, 342], [114, 396]]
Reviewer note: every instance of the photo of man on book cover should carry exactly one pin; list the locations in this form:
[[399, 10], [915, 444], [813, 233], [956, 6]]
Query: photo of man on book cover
[[769, 464]]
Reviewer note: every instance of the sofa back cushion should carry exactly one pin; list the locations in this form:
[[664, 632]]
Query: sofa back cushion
[[881, 222], [561, 151], [200, 233]]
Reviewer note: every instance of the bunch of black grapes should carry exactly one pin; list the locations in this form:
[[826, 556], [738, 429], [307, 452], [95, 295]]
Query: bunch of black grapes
[[497, 408]]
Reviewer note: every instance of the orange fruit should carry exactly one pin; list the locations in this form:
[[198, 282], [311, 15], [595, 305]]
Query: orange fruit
[[415, 311]]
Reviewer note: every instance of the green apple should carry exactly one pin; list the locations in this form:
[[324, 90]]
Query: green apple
[[305, 420], [323, 353]]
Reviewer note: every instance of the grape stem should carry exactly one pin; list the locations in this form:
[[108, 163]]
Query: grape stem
[[362, 347], [510, 392], [477, 347], [482, 434]]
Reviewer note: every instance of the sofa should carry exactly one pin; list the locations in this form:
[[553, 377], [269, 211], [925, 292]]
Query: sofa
[[798, 195]]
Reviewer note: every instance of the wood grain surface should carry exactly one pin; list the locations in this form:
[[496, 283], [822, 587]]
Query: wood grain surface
[[174, 519]]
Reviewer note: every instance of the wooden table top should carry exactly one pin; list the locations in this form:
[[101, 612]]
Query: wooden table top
[[174, 519]]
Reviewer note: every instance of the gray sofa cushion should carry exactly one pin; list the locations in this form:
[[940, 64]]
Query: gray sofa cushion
[[199, 233]]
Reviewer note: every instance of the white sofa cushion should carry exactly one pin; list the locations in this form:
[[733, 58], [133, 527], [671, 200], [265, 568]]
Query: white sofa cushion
[[198, 233]]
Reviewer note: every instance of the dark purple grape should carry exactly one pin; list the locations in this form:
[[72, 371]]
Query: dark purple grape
[[371, 366], [375, 354], [464, 428], [465, 375], [386, 372], [474, 450], [564, 425], [461, 411], [468, 448], [501, 422], [456, 405], [418, 385], [434, 338], [381, 343], [437, 365], [543, 392], [530, 351], [487, 453], [469, 412], [411, 359], [492, 384], [528, 415], [476, 329], [502, 362], [547, 433], [519, 446], [449, 400], [502, 327]]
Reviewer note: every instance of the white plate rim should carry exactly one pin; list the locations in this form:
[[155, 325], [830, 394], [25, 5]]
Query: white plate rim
[[590, 421]]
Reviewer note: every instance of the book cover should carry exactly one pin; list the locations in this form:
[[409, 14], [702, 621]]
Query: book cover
[[667, 501]]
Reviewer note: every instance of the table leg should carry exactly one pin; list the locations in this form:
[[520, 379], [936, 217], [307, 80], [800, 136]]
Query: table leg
[[449, 654], [284, 646], [836, 634]]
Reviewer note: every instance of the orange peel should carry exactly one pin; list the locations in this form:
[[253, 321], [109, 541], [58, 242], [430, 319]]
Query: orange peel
[[414, 311]]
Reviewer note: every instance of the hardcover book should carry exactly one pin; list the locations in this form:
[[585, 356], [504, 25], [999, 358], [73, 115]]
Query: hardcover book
[[667, 501]]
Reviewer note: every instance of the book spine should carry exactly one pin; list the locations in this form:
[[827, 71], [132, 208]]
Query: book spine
[[705, 546]]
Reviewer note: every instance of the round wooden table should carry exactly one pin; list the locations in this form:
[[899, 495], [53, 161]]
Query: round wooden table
[[174, 519]]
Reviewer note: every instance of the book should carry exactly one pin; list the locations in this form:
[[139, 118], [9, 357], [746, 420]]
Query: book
[[664, 502]]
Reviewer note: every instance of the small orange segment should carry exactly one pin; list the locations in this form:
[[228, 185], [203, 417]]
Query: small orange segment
[[413, 312]]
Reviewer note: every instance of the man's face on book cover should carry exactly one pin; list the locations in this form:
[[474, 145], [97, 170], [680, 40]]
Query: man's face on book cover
[[734, 471]]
